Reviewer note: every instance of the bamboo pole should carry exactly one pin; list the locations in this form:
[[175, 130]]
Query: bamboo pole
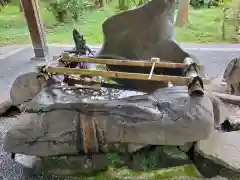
[[122, 75], [127, 62]]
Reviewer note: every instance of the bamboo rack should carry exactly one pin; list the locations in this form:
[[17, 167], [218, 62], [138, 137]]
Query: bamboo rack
[[122, 75], [154, 62], [127, 62]]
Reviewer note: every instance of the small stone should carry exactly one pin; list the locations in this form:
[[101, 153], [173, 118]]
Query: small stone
[[4, 106], [223, 149], [27, 161], [25, 88]]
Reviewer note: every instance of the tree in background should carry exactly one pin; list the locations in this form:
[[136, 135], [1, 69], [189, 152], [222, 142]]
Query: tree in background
[[182, 16], [231, 17]]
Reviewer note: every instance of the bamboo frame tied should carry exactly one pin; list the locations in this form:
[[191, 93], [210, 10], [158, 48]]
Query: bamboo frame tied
[[155, 62]]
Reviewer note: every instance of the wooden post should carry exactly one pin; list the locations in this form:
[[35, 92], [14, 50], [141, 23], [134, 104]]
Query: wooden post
[[31, 12]]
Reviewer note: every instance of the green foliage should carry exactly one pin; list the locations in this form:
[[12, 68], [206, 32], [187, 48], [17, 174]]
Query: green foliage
[[141, 2], [230, 18], [127, 4], [58, 8], [204, 25], [4, 2], [61, 9], [204, 3], [197, 3], [76, 8], [124, 4]]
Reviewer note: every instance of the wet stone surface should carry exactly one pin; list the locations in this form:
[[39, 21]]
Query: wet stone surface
[[169, 156], [102, 94], [52, 124], [10, 170]]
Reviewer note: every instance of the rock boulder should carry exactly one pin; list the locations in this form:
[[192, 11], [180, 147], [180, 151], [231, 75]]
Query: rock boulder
[[222, 148], [4, 106], [128, 37]]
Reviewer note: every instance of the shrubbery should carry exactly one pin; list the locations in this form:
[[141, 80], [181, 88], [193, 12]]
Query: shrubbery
[[62, 9], [204, 3], [75, 8], [4, 2]]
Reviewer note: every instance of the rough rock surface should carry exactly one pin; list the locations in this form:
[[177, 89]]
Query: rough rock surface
[[25, 88], [223, 149], [217, 85], [4, 106], [142, 40], [48, 127], [50, 121], [232, 78], [44, 134], [159, 157]]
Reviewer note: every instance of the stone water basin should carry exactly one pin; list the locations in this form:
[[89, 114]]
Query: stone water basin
[[152, 162]]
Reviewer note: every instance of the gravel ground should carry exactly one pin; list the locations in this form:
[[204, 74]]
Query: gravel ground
[[214, 61]]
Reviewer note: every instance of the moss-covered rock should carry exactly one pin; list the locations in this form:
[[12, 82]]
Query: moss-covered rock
[[148, 163]]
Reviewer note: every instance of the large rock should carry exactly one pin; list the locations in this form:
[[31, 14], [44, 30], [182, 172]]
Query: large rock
[[151, 37], [57, 130], [128, 37], [223, 149], [55, 121]]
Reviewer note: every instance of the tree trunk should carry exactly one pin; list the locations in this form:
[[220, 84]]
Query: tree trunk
[[182, 16], [101, 3]]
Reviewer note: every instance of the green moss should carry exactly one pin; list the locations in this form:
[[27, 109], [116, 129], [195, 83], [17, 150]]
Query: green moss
[[153, 163]]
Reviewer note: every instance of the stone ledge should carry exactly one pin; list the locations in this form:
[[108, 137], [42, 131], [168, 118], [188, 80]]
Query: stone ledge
[[223, 149]]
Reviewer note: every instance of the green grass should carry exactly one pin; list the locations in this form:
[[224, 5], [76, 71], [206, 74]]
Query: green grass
[[186, 171], [204, 26]]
